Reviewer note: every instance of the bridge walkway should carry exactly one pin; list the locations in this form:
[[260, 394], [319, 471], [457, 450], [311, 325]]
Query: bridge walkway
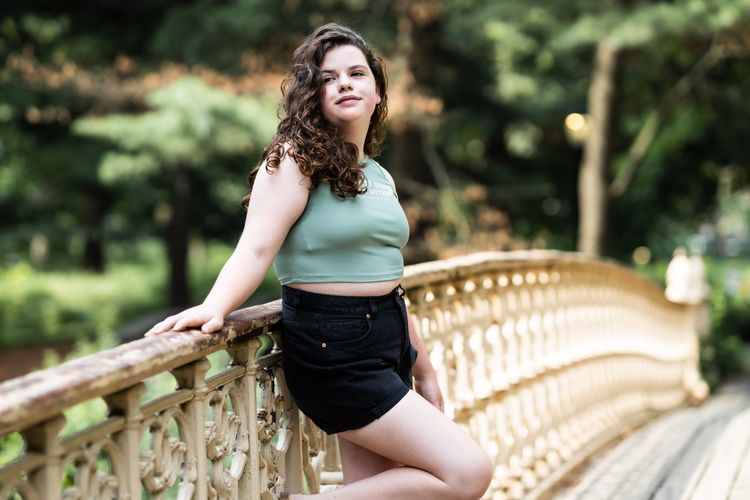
[[692, 453]]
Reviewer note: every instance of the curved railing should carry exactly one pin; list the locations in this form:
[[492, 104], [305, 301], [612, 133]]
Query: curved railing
[[542, 356]]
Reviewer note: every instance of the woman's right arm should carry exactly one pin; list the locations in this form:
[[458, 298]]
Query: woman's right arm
[[276, 202]]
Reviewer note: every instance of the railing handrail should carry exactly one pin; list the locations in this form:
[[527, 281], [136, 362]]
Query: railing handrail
[[36, 396], [466, 265]]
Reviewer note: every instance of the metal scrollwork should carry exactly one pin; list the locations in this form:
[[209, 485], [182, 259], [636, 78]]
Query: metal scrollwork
[[226, 435], [314, 444], [19, 489], [272, 421], [169, 457], [89, 481]]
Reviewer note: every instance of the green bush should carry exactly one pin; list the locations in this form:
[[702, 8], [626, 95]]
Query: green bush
[[722, 351], [11, 447], [39, 308], [205, 263]]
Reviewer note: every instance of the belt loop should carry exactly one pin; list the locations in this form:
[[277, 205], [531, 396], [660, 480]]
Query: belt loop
[[373, 307], [401, 291]]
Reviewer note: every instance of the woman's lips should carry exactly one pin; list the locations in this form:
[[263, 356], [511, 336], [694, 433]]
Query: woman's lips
[[347, 98]]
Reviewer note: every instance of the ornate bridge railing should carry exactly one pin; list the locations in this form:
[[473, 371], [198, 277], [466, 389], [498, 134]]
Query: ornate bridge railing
[[543, 356]]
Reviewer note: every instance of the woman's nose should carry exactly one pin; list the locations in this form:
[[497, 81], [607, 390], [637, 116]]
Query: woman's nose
[[345, 83]]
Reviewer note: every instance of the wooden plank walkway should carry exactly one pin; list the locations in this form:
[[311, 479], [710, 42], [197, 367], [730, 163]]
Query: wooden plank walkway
[[693, 453]]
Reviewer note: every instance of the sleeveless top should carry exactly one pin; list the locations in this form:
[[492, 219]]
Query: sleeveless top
[[355, 239]]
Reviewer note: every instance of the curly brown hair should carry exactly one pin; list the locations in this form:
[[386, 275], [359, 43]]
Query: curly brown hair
[[303, 133]]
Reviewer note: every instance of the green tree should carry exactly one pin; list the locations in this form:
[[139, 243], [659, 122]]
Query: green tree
[[638, 30], [190, 127], [649, 74]]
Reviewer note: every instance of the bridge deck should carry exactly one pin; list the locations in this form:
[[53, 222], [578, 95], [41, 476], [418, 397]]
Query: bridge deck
[[692, 453]]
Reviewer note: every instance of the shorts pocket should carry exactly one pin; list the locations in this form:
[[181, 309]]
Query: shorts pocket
[[340, 332], [300, 336]]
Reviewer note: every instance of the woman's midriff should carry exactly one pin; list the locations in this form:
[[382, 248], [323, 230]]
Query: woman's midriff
[[368, 289]]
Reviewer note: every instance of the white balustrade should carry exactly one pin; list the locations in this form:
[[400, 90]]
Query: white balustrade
[[542, 357]]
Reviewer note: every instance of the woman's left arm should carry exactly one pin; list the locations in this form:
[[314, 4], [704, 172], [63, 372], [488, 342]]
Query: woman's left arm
[[425, 379]]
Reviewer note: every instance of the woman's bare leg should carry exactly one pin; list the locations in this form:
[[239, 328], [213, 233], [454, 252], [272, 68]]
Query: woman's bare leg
[[360, 463], [440, 460]]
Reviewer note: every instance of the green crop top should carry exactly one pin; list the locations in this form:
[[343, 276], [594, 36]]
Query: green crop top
[[347, 240]]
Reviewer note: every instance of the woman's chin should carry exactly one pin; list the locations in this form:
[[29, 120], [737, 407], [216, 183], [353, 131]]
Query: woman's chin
[[349, 119], [349, 114]]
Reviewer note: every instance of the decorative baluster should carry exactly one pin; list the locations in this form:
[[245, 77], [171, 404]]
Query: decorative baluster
[[43, 439], [331, 473], [525, 348], [498, 443], [482, 320], [493, 336], [536, 302], [244, 354], [540, 444], [510, 336], [127, 403], [511, 405], [555, 453], [531, 423], [193, 376], [271, 422], [290, 441]]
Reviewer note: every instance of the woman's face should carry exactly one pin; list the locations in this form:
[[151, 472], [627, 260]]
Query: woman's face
[[349, 93]]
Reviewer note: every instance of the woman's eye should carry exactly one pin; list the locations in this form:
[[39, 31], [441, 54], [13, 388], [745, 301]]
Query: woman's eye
[[358, 73], [328, 79]]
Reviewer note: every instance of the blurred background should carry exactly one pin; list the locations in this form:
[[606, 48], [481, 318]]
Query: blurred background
[[128, 129]]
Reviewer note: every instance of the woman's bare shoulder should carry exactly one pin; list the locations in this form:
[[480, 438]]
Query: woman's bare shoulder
[[288, 168]]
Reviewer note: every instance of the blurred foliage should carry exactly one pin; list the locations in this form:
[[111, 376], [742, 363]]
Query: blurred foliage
[[43, 307], [38, 308], [722, 353], [102, 101], [190, 123], [11, 446], [507, 73]]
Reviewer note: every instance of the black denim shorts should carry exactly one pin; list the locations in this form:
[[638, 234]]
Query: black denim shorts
[[347, 360]]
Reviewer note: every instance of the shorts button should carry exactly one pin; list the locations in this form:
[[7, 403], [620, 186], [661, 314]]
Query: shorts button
[[367, 315], [324, 345]]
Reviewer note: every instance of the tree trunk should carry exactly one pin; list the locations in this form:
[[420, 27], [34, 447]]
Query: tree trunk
[[93, 250], [592, 179], [177, 239], [406, 159]]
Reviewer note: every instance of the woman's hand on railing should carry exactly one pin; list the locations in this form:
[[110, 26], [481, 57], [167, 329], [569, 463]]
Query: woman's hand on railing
[[201, 317]]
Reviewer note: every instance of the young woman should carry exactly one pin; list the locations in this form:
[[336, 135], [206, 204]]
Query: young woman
[[327, 216]]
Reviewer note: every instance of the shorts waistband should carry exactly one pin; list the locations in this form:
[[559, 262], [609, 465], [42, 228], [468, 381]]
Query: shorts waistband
[[310, 301]]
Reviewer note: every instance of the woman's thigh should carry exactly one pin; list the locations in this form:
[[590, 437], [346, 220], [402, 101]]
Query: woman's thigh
[[359, 463], [416, 434]]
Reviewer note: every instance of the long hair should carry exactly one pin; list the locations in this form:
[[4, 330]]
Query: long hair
[[303, 133]]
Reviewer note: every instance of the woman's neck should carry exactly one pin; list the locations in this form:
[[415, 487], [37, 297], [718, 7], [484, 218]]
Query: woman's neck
[[357, 136]]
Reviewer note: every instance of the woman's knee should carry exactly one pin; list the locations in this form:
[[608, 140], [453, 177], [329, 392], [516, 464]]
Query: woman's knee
[[471, 478]]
